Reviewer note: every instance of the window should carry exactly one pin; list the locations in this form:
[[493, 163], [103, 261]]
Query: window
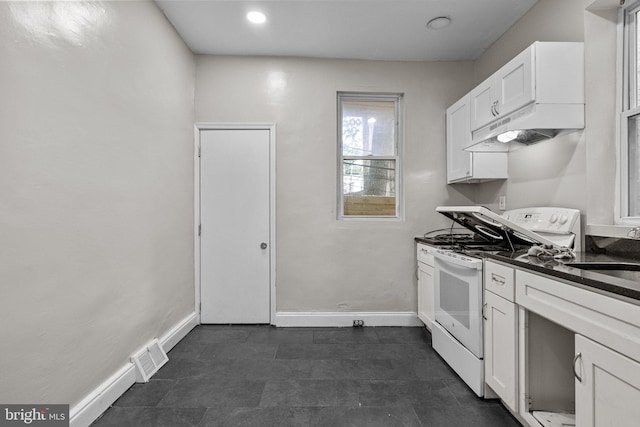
[[368, 155], [629, 152]]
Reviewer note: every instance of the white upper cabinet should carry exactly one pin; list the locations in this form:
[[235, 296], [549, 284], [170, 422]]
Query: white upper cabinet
[[515, 84], [458, 136], [483, 98], [465, 166], [544, 73], [508, 89]]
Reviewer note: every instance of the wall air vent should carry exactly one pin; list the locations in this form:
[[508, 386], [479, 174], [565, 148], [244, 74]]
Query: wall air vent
[[149, 360]]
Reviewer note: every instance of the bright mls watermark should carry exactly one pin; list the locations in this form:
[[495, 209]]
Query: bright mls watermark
[[34, 415]]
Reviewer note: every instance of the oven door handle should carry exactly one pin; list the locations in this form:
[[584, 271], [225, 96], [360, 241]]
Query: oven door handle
[[474, 263]]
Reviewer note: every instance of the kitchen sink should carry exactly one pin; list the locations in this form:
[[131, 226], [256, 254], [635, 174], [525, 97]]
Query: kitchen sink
[[622, 270], [599, 265]]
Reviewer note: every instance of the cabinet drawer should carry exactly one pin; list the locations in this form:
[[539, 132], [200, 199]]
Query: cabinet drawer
[[604, 319], [424, 253], [499, 279]]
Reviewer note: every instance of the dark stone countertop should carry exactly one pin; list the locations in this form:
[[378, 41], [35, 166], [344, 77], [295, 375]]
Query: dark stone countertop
[[623, 283], [616, 283]]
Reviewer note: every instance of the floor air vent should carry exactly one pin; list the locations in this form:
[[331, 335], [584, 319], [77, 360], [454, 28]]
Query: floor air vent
[[149, 360]]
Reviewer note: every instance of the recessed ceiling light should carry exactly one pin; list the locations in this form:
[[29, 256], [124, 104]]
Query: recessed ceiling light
[[256, 17], [439, 23]]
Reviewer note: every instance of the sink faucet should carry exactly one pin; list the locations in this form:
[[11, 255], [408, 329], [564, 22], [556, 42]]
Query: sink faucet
[[634, 233]]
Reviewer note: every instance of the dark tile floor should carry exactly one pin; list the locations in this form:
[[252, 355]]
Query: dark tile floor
[[265, 376]]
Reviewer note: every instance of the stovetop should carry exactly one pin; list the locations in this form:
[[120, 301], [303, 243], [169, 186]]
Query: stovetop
[[467, 243], [449, 239], [518, 227]]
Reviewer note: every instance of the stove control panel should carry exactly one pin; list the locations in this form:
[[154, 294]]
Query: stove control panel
[[545, 220]]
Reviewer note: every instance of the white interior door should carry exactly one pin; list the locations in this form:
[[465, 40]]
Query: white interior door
[[235, 242]]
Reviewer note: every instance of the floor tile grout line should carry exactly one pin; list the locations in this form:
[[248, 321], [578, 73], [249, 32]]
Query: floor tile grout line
[[175, 383]]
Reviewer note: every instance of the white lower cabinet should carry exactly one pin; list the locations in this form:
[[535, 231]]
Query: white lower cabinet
[[501, 339], [425, 269], [578, 354], [501, 333], [607, 386]]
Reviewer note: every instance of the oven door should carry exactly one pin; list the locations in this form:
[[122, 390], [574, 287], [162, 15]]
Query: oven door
[[458, 298]]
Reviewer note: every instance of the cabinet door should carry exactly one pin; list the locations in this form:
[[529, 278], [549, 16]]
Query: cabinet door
[[514, 83], [425, 294], [500, 357], [458, 136], [608, 390], [481, 100]]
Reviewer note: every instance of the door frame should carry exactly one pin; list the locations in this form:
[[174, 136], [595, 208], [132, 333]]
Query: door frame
[[271, 127]]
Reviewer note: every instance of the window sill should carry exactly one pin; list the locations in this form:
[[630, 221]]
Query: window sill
[[618, 231]]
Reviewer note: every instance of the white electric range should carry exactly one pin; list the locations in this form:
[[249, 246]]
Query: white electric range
[[457, 333]]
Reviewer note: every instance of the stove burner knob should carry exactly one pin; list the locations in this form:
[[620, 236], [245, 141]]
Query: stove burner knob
[[553, 218], [564, 219]]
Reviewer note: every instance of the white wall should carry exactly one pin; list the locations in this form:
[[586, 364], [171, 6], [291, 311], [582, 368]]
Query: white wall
[[553, 172], [547, 20], [600, 80], [324, 264], [575, 170], [96, 186]]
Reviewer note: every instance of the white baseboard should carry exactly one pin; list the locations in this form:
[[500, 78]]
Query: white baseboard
[[345, 319], [173, 337], [99, 400]]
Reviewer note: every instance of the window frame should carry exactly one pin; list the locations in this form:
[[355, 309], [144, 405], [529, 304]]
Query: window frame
[[628, 107], [397, 98]]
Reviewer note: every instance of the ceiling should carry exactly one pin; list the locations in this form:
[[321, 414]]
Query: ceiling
[[354, 29]]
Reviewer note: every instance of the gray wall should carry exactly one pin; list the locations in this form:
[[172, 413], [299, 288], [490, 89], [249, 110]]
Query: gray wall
[[96, 154], [576, 170], [97, 187], [324, 264], [600, 80], [553, 172]]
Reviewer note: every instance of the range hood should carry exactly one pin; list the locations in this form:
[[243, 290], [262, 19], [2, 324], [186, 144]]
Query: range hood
[[528, 125]]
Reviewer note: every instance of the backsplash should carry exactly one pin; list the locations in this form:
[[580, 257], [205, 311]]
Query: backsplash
[[629, 248]]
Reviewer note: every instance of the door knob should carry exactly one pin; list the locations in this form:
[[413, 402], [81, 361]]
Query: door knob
[[263, 245]]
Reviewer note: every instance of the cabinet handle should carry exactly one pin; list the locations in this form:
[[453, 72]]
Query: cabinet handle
[[496, 108], [575, 360], [498, 279], [493, 111], [483, 307], [418, 273]]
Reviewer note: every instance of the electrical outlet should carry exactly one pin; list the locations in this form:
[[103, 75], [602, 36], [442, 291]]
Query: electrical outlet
[[502, 203], [358, 323]]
